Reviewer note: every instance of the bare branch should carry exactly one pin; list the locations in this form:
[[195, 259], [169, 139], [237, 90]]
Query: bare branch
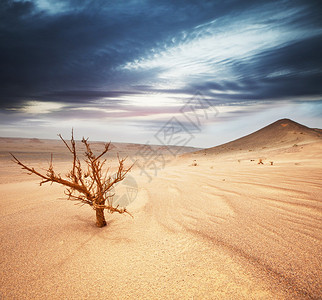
[[107, 146], [66, 142]]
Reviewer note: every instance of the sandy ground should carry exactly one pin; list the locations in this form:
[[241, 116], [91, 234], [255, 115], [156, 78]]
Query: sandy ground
[[226, 228]]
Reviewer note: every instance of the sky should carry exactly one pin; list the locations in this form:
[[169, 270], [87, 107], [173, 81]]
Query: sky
[[193, 73]]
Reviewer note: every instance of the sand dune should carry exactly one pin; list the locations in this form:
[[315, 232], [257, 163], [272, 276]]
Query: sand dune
[[226, 228], [279, 135]]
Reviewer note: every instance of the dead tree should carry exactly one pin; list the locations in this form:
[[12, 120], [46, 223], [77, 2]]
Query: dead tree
[[87, 185]]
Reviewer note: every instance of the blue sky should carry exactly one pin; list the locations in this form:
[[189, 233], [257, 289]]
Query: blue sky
[[120, 70]]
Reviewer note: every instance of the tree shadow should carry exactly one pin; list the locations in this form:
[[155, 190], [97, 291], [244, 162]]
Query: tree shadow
[[87, 228]]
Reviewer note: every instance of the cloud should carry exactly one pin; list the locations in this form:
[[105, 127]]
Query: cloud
[[240, 59], [48, 46], [140, 61]]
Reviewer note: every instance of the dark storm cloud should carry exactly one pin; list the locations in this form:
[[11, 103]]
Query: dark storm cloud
[[74, 51], [290, 71], [81, 46]]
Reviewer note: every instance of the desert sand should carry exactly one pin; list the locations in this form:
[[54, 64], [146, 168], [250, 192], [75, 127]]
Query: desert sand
[[212, 224]]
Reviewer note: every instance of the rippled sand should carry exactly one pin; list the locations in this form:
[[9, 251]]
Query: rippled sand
[[226, 228]]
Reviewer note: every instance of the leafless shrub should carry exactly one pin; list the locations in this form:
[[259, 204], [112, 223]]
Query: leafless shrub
[[90, 184]]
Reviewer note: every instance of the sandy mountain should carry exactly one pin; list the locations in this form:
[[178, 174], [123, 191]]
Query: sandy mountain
[[283, 133]]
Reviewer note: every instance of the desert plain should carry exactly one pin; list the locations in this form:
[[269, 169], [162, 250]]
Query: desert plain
[[210, 224]]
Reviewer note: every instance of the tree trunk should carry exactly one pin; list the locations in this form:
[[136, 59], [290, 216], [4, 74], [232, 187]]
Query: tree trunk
[[100, 219]]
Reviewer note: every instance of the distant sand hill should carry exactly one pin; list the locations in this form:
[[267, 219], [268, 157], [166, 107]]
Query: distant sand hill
[[283, 133]]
